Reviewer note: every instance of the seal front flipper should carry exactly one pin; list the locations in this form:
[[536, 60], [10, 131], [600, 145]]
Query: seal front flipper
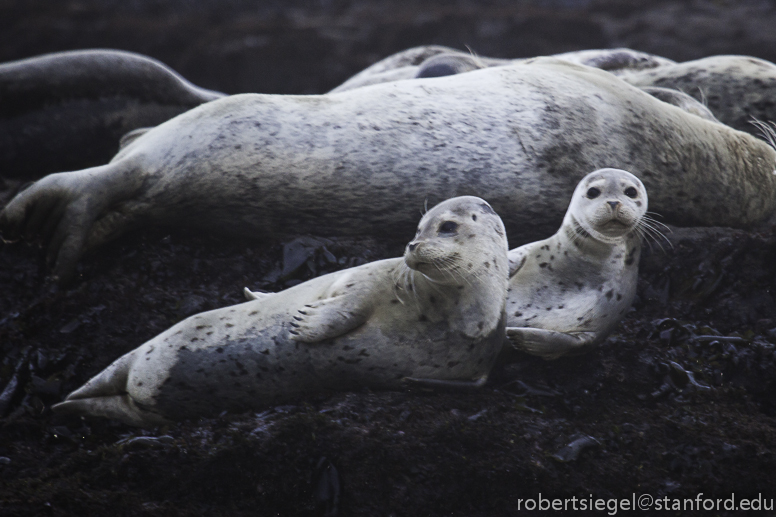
[[548, 344], [517, 258], [327, 319], [451, 385]]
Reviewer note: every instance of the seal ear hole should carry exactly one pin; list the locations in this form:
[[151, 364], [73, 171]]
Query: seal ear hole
[[631, 192], [593, 193], [448, 227]]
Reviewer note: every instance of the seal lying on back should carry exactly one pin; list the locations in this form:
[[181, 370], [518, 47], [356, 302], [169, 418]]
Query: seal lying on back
[[568, 292], [69, 109], [520, 136], [435, 317]]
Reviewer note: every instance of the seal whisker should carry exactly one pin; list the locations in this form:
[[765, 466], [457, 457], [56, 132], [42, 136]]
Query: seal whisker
[[649, 234], [767, 130]]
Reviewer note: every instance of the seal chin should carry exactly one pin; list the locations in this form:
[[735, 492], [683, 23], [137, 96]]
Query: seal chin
[[615, 227]]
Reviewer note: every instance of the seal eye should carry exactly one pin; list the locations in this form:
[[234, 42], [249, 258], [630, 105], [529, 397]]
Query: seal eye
[[448, 227], [631, 192], [593, 193]]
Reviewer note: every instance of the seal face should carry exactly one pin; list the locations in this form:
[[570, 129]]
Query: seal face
[[434, 317], [569, 291]]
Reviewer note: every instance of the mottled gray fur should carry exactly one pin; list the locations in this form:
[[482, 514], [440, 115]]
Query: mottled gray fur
[[356, 162], [436, 316], [568, 292]]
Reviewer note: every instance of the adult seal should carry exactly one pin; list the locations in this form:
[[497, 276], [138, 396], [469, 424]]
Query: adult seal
[[68, 110], [736, 89], [439, 61], [568, 292], [435, 317], [521, 136]]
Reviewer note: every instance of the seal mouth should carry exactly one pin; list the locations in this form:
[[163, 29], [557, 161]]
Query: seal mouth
[[616, 223]]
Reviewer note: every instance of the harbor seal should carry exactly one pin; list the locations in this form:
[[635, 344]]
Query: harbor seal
[[68, 110], [736, 89], [435, 317], [438, 61], [567, 292], [521, 136]]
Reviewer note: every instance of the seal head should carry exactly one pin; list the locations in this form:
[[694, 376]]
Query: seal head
[[607, 205], [450, 236]]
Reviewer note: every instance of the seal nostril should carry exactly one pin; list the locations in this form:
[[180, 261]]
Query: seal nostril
[[412, 246], [613, 204]]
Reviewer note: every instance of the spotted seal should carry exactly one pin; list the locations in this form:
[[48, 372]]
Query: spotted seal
[[438, 61], [69, 109], [736, 89], [348, 163], [435, 317], [567, 292]]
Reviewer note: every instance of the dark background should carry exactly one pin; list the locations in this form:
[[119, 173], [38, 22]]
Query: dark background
[[294, 46], [625, 418]]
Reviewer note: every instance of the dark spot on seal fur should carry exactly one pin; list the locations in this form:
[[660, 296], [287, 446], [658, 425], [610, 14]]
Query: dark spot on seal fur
[[422, 318], [474, 217], [518, 314], [432, 299], [543, 264], [619, 297], [609, 294]]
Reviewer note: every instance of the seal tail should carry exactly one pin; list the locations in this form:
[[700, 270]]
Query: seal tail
[[106, 396]]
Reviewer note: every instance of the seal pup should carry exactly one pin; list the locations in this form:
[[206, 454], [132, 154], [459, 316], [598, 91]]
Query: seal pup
[[568, 292], [435, 317], [347, 163], [68, 110]]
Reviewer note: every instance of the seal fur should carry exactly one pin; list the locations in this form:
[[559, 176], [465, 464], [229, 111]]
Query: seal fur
[[569, 291], [736, 89], [347, 163], [437, 61], [435, 317]]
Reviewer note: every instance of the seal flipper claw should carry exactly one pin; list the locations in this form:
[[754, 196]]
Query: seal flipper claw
[[327, 319], [548, 344], [462, 385]]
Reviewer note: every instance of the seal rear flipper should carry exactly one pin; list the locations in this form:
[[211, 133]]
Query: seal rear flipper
[[548, 344], [327, 319], [111, 381], [117, 407], [443, 384]]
